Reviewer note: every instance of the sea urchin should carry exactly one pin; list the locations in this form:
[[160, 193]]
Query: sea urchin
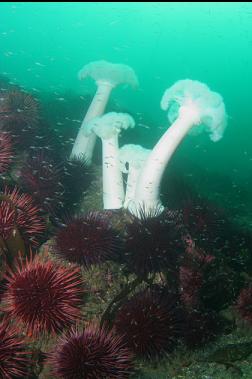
[[42, 296], [244, 304], [91, 354], [153, 243], [7, 219], [27, 220], [150, 322], [19, 107], [6, 152], [87, 240], [14, 359], [40, 176]]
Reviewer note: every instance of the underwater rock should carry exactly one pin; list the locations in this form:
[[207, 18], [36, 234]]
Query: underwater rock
[[230, 353], [93, 197]]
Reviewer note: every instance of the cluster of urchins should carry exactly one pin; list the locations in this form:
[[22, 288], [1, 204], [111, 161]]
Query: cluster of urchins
[[184, 265]]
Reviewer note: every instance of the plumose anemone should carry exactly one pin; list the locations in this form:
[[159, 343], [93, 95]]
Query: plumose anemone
[[108, 127], [158, 276], [106, 76], [132, 159], [191, 106]]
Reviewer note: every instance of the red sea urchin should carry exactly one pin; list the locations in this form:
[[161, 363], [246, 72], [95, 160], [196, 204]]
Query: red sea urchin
[[7, 219], [205, 223], [14, 359], [244, 304], [42, 296], [87, 240], [40, 176], [19, 114], [153, 243], [76, 179], [28, 221], [201, 327], [190, 281], [6, 152], [19, 107], [91, 354], [151, 322]]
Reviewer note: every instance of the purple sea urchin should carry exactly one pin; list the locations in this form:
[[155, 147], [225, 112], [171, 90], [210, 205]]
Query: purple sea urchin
[[91, 354]]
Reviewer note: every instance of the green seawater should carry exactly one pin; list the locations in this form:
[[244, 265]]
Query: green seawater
[[44, 45]]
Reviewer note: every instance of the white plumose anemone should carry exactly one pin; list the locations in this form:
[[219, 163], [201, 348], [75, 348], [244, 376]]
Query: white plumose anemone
[[192, 107], [108, 128], [132, 160], [106, 76]]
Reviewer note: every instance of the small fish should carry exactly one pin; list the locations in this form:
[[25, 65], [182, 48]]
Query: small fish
[[144, 126], [39, 64], [116, 48], [114, 22], [8, 53]]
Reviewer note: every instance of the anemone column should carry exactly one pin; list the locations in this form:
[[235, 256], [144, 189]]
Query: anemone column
[[107, 76], [108, 128], [132, 159], [148, 186], [190, 105], [85, 141]]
